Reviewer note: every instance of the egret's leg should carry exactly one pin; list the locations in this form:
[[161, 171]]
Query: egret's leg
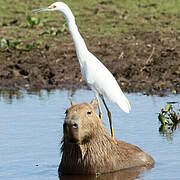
[[109, 116], [99, 107]]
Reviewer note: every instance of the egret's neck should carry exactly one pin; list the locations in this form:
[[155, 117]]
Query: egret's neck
[[79, 43], [77, 38]]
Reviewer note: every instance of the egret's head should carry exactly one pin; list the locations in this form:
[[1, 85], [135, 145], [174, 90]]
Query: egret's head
[[57, 6], [53, 7]]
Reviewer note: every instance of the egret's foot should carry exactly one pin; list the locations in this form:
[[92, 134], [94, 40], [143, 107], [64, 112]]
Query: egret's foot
[[112, 135], [114, 140]]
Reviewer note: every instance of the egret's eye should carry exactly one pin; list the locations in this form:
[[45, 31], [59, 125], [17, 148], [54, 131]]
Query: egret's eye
[[52, 7], [89, 112]]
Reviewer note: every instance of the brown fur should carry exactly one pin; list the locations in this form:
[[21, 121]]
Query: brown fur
[[89, 149]]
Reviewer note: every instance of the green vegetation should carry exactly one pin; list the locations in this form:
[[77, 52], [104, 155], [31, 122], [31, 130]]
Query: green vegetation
[[95, 18], [168, 115], [169, 118]]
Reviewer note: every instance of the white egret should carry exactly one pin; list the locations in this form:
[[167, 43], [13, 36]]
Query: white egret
[[96, 75]]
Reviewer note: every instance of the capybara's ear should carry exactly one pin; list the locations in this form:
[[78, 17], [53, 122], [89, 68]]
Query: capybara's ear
[[94, 103], [71, 101]]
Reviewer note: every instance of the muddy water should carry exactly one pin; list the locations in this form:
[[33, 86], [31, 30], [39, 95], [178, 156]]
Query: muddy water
[[31, 130]]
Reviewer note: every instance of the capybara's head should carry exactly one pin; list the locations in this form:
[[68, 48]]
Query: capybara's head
[[80, 123]]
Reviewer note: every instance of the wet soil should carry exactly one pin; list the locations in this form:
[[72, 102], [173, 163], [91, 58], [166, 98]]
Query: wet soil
[[141, 62]]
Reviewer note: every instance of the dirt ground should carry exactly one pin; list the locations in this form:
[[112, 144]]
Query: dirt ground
[[141, 62]]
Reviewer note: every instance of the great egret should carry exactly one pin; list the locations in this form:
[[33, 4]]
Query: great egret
[[96, 75]]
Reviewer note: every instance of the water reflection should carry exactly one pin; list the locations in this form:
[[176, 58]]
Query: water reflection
[[167, 130], [128, 174], [9, 95]]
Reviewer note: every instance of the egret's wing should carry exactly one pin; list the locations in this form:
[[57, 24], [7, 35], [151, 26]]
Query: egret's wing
[[101, 79]]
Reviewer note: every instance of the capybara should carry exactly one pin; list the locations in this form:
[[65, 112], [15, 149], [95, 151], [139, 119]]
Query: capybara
[[87, 147]]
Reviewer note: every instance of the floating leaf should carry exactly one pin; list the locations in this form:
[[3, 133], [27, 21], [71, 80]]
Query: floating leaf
[[168, 107], [170, 120], [162, 119], [175, 118]]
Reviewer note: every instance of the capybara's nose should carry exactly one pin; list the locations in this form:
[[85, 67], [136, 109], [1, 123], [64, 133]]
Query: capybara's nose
[[72, 124], [70, 127], [71, 131]]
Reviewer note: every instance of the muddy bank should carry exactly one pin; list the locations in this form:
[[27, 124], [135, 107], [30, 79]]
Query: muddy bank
[[147, 62]]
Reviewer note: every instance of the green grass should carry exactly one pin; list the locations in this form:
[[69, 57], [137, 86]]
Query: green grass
[[95, 18]]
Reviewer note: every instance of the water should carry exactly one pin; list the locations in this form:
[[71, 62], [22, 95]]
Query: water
[[31, 131]]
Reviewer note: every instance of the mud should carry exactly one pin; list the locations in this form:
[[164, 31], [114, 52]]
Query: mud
[[147, 63]]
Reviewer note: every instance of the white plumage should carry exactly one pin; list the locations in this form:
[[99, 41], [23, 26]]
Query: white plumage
[[97, 76], [100, 79]]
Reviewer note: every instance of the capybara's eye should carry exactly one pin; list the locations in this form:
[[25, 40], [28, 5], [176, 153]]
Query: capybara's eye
[[66, 112], [89, 112]]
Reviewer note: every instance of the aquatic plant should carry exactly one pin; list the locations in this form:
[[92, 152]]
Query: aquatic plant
[[169, 117]]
